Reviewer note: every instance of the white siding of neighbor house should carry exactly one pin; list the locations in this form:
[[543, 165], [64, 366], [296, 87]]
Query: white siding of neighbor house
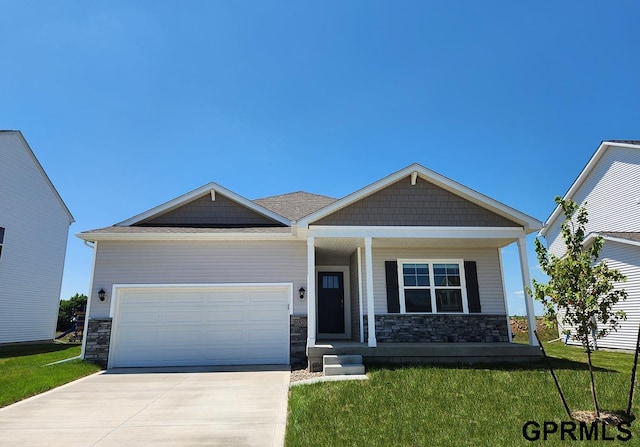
[[626, 258], [612, 193], [197, 262], [32, 260], [487, 261]]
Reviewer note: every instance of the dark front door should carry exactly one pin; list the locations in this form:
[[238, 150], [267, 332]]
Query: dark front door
[[330, 303]]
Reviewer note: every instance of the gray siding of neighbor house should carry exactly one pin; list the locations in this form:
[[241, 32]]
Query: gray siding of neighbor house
[[423, 204], [626, 258], [487, 261], [611, 192], [203, 212], [197, 262]]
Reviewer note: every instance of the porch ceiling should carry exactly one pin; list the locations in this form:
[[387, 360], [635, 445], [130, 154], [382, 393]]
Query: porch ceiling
[[347, 245]]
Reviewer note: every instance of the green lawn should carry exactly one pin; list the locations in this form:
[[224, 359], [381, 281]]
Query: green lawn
[[23, 372], [455, 405]]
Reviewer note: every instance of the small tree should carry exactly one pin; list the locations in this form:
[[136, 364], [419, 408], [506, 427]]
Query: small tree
[[580, 292], [68, 309]]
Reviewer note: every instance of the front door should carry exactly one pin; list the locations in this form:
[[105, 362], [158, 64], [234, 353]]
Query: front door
[[331, 303]]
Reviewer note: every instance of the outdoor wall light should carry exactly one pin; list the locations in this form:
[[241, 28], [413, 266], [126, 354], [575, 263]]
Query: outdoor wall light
[[101, 294], [301, 292]]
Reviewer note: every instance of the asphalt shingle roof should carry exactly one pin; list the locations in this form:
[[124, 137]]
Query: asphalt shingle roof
[[630, 236], [295, 205]]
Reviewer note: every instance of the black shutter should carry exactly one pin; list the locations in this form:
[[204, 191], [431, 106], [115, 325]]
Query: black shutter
[[393, 293], [473, 293]]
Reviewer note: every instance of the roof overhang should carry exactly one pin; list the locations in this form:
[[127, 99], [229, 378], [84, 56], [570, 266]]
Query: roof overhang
[[528, 223], [184, 236], [210, 188], [591, 237], [593, 161]]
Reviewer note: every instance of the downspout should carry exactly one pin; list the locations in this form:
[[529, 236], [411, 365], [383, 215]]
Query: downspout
[[89, 296]]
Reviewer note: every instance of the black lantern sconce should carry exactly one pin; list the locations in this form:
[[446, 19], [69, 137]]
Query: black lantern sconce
[[102, 294], [301, 292]]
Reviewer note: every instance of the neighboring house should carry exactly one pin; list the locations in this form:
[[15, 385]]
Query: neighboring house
[[34, 226], [609, 187], [406, 268]]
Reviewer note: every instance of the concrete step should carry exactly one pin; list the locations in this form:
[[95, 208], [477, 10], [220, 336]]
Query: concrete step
[[341, 359], [343, 370]]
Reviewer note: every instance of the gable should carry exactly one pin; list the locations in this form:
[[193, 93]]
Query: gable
[[205, 212], [422, 204]]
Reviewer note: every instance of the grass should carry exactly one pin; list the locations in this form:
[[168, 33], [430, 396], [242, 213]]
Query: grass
[[23, 372], [455, 405]]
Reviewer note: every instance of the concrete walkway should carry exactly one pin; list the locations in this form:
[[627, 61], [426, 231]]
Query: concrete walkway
[[157, 407]]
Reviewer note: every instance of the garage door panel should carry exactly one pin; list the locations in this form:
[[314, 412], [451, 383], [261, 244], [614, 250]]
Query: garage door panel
[[213, 325], [183, 316]]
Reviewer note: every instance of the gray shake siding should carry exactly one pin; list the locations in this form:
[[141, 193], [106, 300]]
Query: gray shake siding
[[203, 211], [423, 204]]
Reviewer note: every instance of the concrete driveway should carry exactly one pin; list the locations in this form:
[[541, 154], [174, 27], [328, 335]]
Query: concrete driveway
[[157, 407]]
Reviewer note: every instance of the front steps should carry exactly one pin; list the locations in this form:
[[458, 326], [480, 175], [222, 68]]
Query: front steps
[[342, 365]]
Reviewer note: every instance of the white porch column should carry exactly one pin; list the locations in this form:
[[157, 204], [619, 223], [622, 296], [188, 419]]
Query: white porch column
[[311, 292], [526, 283], [371, 315]]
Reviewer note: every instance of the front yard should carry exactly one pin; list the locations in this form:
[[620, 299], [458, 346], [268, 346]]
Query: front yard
[[23, 372], [456, 405]]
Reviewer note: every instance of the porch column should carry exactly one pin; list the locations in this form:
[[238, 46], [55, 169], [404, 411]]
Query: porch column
[[526, 283], [311, 292], [371, 315]]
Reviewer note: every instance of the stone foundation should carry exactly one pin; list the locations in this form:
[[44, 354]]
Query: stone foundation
[[403, 328], [98, 337], [298, 340]]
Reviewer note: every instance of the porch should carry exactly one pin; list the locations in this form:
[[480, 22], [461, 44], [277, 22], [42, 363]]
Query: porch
[[403, 353]]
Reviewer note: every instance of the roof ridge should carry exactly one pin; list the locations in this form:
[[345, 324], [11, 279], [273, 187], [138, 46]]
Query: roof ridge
[[295, 192]]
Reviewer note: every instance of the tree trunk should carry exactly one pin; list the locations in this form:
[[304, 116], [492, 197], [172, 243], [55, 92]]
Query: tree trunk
[[593, 382]]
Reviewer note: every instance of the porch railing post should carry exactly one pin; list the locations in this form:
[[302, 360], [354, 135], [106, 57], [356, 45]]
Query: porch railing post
[[526, 283], [371, 320], [311, 292]]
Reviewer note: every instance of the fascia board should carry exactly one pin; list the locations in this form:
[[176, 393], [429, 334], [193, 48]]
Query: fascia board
[[586, 171], [416, 232], [185, 198], [589, 240], [99, 237], [529, 223]]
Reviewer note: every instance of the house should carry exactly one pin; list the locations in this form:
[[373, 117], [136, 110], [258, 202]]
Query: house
[[609, 187], [34, 226], [407, 268]]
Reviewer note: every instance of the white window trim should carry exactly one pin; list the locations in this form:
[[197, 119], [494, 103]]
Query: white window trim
[[432, 287]]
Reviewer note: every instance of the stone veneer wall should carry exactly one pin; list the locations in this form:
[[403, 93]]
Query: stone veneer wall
[[298, 340], [402, 328], [98, 337]]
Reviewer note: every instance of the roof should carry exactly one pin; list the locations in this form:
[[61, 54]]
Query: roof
[[629, 236], [295, 205], [593, 161], [530, 224], [42, 171]]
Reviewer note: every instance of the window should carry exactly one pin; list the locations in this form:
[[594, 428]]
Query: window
[[1, 240], [435, 286]]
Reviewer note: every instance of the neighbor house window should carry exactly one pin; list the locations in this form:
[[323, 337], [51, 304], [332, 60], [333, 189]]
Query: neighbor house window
[[432, 286], [1, 240]]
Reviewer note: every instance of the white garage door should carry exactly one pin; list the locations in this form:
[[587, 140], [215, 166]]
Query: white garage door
[[200, 325]]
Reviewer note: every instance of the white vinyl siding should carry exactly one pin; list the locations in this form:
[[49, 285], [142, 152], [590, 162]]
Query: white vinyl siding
[[35, 240], [197, 262], [487, 261], [625, 258], [611, 191]]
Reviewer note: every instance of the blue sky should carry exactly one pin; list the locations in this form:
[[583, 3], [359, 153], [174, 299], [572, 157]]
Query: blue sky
[[128, 104]]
